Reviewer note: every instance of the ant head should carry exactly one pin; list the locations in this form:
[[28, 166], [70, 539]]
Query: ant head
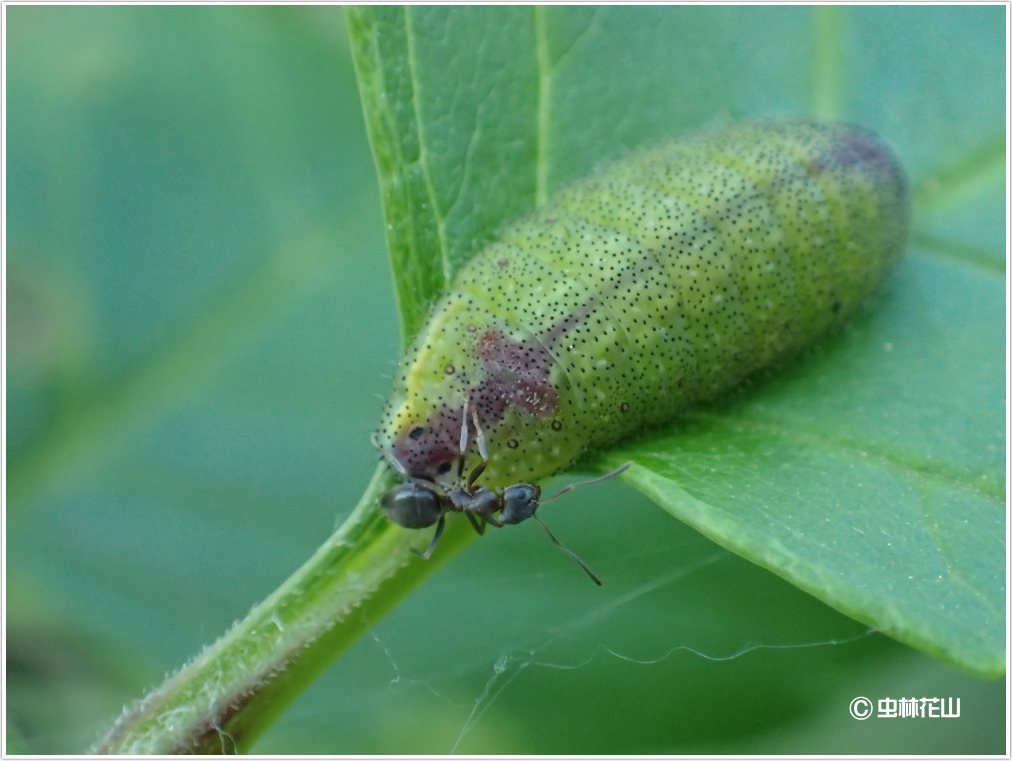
[[519, 502], [412, 505]]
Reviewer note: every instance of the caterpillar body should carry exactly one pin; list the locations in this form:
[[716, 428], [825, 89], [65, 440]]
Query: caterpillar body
[[656, 284]]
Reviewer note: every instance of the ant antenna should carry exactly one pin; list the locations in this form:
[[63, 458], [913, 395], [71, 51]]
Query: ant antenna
[[560, 545], [569, 552], [599, 479]]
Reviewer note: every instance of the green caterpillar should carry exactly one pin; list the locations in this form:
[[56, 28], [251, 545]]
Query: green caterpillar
[[654, 285]]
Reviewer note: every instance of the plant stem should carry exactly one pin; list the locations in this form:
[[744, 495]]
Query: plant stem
[[231, 692]]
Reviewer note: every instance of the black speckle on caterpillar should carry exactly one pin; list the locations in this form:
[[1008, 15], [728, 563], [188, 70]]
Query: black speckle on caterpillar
[[656, 284]]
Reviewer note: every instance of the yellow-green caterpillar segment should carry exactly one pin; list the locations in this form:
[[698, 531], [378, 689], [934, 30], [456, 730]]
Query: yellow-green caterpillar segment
[[656, 284]]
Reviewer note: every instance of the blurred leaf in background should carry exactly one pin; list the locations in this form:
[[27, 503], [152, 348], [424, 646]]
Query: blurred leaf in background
[[193, 226], [201, 330]]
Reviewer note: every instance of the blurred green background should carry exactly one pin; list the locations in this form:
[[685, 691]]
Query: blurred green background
[[201, 332]]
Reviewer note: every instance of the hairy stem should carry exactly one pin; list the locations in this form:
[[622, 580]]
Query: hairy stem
[[231, 692]]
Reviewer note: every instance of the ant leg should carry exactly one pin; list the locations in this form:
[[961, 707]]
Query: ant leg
[[478, 526], [480, 435], [486, 520], [465, 440], [435, 539], [568, 551], [599, 479], [464, 425], [482, 451]]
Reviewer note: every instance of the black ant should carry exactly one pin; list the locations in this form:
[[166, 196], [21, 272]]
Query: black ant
[[422, 502]]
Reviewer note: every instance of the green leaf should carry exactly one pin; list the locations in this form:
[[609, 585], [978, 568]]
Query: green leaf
[[869, 473]]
